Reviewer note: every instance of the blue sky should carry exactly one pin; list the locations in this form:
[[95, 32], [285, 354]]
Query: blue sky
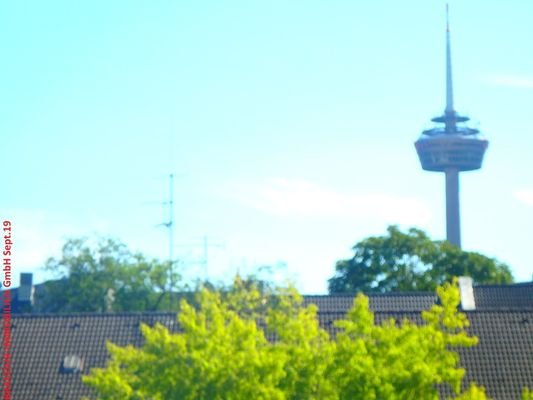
[[289, 126]]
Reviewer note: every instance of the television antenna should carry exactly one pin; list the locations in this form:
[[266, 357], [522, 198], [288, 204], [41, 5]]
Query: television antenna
[[206, 244], [169, 224]]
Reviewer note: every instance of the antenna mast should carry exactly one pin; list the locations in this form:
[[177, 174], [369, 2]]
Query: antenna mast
[[170, 226], [206, 244], [449, 84], [170, 223]]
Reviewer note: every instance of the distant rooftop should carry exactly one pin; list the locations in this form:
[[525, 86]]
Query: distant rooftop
[[487, 297]]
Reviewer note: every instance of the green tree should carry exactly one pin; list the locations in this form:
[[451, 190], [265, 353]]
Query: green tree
[[411, 261], [105, 276], [230, 347]]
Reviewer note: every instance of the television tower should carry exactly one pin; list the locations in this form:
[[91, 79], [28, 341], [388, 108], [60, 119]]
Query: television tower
[[451, 148]]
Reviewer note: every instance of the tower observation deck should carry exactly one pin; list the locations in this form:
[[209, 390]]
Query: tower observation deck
[[451, 147]]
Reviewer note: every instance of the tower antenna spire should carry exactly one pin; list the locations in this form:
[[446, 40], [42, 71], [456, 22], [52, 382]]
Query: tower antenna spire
[[449, 84]]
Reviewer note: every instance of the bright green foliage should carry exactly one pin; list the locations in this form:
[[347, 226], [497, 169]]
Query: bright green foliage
[[105, 277], [474, 392], [305, 347], [221, 352], [411, 261], [404, 361], [527, 394], [221, 355]]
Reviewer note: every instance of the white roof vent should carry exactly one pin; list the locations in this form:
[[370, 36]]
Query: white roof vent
[[468, 303], [72, 364]]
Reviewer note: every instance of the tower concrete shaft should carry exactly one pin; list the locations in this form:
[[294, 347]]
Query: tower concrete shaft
[[453, 218]]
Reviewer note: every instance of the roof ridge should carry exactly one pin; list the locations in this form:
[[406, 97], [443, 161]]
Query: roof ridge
[[506, 286], [386, 294], [94, 314]]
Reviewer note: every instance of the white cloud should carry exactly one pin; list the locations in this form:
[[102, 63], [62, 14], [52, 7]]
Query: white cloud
[[515, 81], [524, 196], [284, 197], [33, 236], [38, 235]]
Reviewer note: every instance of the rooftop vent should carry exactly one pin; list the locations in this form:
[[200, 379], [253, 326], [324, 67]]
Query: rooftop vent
[[71, 364], [466, 291]]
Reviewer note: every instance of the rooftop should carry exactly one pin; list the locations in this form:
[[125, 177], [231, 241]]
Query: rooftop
[[51, 351]]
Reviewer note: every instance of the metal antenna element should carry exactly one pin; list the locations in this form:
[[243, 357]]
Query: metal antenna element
[[169, 224], [449, 85], [206, 245]]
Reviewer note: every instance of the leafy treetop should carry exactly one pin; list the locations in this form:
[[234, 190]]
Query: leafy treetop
[[242, 344], [411, 261], [105, 276]]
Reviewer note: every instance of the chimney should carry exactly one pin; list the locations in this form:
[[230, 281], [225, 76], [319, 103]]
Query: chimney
[[466, 291], [25, 290]]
